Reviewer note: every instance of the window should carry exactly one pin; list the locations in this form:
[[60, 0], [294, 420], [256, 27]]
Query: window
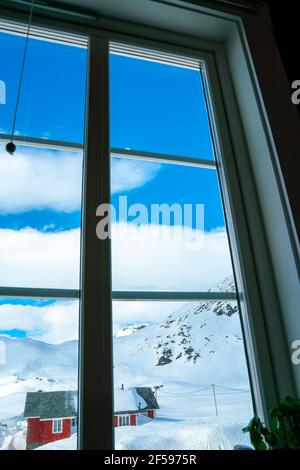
[[175, 130], [124, 420], [57, 426], [176, 319], [173, 287], [40, 228]]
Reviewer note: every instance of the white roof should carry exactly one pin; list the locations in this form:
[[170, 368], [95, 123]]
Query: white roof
[[128, 400]]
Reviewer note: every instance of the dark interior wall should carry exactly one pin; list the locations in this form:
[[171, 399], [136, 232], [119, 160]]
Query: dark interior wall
[[285, 19], [287, 34]]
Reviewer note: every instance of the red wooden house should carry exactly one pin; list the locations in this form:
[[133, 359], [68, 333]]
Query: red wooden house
[[132, 404], [51, 416]]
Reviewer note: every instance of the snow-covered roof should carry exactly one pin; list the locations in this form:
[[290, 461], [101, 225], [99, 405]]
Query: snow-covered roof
[[134, 399], [47, 405]]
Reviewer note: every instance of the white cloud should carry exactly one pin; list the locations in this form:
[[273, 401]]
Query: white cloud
[[41, 179], [30, 258], [129, 173], [143, 263], [54, 323]]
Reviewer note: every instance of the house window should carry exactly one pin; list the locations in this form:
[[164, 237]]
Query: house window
[[124, 420], [57, 426]]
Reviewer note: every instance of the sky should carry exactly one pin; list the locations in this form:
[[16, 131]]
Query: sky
[[153, 107]]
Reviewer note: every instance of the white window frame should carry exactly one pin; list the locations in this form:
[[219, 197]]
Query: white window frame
[[57, 425], [266, 247], [123, 420]]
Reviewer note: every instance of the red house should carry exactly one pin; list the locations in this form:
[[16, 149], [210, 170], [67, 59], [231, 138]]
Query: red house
[[133, 404], [51, 416]]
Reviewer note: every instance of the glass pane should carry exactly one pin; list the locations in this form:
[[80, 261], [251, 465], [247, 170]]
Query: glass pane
[[168, 231], [52, 99], [38, 373], [156, 107], [40, 214], [171, 372]]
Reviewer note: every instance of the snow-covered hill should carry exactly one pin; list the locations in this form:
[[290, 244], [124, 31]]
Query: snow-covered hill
[[194, 344], [27, 358]]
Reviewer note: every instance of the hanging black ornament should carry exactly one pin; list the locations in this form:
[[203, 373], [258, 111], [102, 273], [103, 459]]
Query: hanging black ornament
[[11, 147]]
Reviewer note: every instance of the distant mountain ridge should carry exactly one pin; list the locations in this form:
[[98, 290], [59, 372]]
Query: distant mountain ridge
[[195, 342]]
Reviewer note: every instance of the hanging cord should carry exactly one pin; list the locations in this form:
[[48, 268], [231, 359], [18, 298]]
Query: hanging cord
[[11, 147]]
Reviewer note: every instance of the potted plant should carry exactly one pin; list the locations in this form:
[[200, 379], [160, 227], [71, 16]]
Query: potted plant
[[283, 431]]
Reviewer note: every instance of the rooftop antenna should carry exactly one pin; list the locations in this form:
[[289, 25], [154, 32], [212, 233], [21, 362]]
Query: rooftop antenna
[[11, 146]]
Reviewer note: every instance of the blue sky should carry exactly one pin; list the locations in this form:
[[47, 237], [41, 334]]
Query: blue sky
[[153, 107], [157, 107]]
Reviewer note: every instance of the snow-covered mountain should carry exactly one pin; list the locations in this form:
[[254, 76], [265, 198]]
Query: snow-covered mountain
[[27, 358], [195, 343], [128, 330]]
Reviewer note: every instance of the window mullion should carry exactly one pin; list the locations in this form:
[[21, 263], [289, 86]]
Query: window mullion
[[95, 390]]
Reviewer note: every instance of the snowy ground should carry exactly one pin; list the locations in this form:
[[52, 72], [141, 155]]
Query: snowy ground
[[188, 421], [64, 444], [182, 435]]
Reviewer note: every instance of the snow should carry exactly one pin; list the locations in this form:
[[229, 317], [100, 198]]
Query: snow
[[195, 346], [183, 435], [64, 444], [128, 400], [15, 437]]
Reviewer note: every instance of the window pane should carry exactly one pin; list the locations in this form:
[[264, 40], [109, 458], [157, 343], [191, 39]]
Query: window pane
[[170, 359], [52, 99], [40, 213], [156, 107], [38, 373], [169, 230]]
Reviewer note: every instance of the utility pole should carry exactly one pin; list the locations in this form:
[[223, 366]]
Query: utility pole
[[215, 399]]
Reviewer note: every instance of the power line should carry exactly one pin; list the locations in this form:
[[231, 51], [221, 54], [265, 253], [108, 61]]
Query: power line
[[186, 393], [205, 387], [231, 388], [206, 394]]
